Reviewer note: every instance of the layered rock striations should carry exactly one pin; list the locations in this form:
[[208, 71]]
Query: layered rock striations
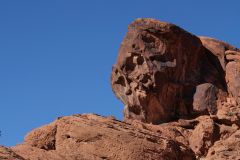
[[182, 102], [92, 137]]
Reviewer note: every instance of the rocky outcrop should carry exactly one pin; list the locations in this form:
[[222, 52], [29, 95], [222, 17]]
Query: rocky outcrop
[[161, 69], [182, 101], [94, 137], [8, 154], [226, 149], [164, 73]]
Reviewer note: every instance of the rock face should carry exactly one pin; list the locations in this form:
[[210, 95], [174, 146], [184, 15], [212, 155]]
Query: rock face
[[8, 154], [182, 102], [226, 149], [158, 69], [164, 73], [86, 137]]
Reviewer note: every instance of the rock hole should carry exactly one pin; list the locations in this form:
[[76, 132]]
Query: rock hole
[[128, 92], [121, 81], [160, 78], [68, 136], [145, 78], [130, 66], [148, 38], [213, 152], [104, 157], [161, 58], [135, 109], [140, 60]]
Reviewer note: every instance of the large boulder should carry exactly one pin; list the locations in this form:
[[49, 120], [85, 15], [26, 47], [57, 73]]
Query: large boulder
[[88, 136], [158, 69], [204, 99]]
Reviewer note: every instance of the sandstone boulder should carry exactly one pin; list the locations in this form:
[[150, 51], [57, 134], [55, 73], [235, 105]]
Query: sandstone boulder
[[204, 99], [159, 69], [90, 136]]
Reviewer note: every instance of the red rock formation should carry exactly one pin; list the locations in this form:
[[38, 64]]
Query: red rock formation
[[186, 88], [91, 137], [159, 69]]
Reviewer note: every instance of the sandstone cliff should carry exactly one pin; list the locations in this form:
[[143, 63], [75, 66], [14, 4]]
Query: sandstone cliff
[[182, 102]]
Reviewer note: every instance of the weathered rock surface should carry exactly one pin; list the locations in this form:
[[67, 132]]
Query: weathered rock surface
[[163, 73], [93, 137], [226, 149], [204, 99], [8, 154], [182, 101], [159, 68], [203, 137]]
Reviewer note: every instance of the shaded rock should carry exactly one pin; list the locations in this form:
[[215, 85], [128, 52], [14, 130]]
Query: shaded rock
[[229, 57], [218, 48], [158, 68], [155, 61], [204, 99]]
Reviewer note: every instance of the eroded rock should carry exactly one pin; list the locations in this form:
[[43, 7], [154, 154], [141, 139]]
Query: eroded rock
[[203, 136], [185, 87], [233, 75], [226, 149], [8, 154], [159, 68], [94, 137]]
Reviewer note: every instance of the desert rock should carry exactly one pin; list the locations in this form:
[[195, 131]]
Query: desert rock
[[182, 101], [94, 137], [8, 154], [160, 66]]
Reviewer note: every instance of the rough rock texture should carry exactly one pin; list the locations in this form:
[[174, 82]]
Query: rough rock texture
[[182, 101], [226, 149], [159, 68], [202, 137], [90, 136], [163, 73], [8, 154]]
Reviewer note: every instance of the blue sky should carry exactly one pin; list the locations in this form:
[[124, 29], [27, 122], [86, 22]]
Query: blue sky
[[56, 55]]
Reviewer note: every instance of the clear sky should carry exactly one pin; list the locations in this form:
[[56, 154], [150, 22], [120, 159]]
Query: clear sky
[[56, 55]]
